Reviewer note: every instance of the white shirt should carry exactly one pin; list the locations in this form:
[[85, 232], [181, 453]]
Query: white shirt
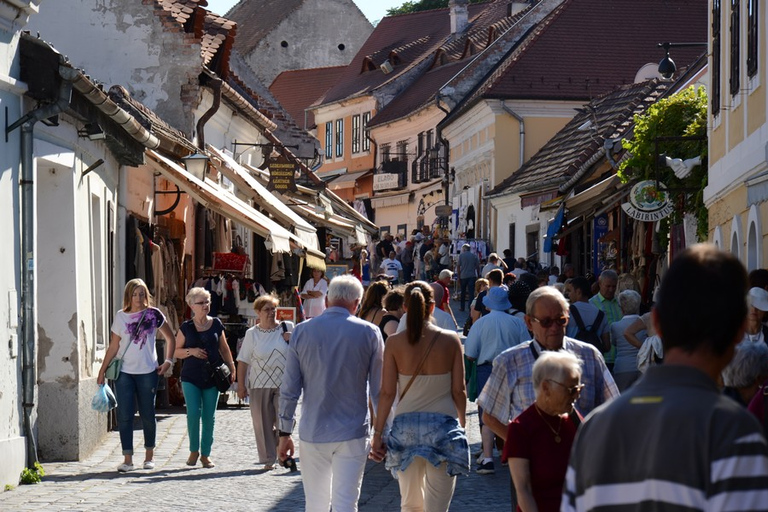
[[264, 353], [315, 306], [392, 268], [442, 319]]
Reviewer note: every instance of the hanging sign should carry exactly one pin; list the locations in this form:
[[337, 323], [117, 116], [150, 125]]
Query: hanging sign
[[281, 174], [647, 202]]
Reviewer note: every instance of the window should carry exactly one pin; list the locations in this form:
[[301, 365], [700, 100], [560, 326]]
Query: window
[[420, 145], [402, 230], [429, 140], [735, 48], [402, 151], [356, 134], [366, 132], [716, 24], [385, 153], [511, 243], [329, 139], [752, 38], [339, 138]]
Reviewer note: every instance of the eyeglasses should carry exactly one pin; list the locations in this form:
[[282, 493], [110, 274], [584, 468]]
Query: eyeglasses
[[204, 303], [547, 322], [573, 391], [267, 310]]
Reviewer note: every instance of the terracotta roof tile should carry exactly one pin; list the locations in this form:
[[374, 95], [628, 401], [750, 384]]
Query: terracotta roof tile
[[407, 39], [297, 90], [587, 47], [607, 117]]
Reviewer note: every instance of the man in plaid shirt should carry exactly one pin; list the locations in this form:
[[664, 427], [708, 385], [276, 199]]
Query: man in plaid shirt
[[509, 391]]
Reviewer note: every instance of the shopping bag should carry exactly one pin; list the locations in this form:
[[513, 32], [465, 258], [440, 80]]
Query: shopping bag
[[104, 400]]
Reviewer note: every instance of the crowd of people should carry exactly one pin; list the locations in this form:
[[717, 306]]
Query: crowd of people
[[589, 401]]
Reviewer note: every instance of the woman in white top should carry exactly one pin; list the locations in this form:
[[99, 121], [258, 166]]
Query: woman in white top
[[260, 367], [133, 338], [427, 446], [313, 294]]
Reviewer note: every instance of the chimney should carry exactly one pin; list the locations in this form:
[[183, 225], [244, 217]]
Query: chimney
[[459, 15], [516, 6]]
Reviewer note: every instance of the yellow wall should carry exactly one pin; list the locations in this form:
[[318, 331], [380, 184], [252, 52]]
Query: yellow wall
[[716, 145], [755, 109], [735, 127]]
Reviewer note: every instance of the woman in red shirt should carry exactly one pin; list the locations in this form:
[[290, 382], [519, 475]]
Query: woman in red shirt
[[539, 440]]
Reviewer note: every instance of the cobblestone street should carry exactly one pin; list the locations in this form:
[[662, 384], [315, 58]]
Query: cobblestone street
[[236, 483]]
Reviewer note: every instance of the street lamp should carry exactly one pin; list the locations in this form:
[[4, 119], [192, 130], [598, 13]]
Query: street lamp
[[196, 165], [667, 66]]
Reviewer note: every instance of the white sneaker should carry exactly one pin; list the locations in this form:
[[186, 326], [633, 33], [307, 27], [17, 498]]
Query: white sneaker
[[124, 468], [149, 464]]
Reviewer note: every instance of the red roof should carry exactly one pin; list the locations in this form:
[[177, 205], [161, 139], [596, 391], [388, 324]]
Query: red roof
[[297, 90], [588, 47], [404, 41]]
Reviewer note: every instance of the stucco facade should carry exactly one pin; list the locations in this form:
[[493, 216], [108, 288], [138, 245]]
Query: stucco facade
[[737, 189], [315, 34]]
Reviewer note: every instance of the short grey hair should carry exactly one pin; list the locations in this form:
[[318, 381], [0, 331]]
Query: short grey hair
[[749, 364], [609, 274], [556, 366], [629, 301], [195, 293], [545, 292], [345, 288]]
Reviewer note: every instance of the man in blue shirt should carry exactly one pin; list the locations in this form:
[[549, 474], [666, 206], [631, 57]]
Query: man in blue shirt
[[335, 359], [606, 302], [490, 336]]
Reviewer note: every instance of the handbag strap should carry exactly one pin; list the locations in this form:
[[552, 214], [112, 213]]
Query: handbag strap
[[421, 365], [135, 333]]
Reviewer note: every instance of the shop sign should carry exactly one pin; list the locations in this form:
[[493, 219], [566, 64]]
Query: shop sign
[[281, 174], [647, 202], [285, 314], [386, 181], [443, 210]]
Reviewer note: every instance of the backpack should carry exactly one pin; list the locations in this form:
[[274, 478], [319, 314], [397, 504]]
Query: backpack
[[588, 335]]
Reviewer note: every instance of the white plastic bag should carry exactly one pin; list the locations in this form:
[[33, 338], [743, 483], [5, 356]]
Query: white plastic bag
[[104, 400]]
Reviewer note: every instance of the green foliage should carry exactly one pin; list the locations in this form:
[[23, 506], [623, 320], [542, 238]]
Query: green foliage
[[32, 475], [683, 114], [422, 5], [9, 487]]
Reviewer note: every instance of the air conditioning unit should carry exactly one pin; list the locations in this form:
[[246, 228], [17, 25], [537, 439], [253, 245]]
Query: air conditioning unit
[[386, 67]]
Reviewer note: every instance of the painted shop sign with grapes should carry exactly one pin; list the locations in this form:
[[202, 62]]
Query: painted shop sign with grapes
[[647, 202]]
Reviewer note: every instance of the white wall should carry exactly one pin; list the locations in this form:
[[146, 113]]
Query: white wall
[[12, 443]]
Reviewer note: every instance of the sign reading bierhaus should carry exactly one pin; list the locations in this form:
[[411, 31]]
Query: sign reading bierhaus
[[281, 174]]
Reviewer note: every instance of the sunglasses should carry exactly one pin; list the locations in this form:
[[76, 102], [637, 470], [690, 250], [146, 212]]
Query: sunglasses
[[547, 322], [573, 391]]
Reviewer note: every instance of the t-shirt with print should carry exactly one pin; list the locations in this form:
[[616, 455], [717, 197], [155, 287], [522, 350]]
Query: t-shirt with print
[[264, 353], [141, 356]]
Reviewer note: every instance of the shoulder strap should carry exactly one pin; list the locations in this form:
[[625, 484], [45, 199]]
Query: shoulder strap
[[598, 321], [421, 365], [577, 316]]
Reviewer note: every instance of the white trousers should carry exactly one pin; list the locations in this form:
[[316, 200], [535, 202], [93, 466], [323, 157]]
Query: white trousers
[[424, 487], [332, 474]]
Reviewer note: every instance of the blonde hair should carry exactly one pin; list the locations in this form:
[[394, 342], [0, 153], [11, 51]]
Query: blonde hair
[[480, 283], [196, 292], [130, 287]]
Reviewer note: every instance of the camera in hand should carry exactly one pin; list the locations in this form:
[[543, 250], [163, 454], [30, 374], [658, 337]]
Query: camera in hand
[[289, 463]]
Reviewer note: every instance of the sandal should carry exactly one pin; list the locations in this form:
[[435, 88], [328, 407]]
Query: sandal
[[207, 463], [192, 460]]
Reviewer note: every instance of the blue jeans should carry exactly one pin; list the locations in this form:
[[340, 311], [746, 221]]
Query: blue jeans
[[483, 374], [201, 404], [467, 285], [129, 390]]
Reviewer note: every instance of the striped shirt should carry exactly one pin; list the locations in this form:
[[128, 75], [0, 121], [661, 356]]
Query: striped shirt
[[509, 390], [671, 442]]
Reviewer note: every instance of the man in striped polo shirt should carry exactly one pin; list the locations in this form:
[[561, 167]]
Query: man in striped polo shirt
[[673, 441]]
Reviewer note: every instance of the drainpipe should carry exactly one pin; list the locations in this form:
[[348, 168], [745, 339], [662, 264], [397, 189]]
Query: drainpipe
[[522, 129], [216, 86], [28, 307]]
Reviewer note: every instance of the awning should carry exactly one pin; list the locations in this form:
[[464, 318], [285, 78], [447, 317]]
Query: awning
[[249, 186], [393, 200], [587, 199], [347, 180], [221, 201]]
